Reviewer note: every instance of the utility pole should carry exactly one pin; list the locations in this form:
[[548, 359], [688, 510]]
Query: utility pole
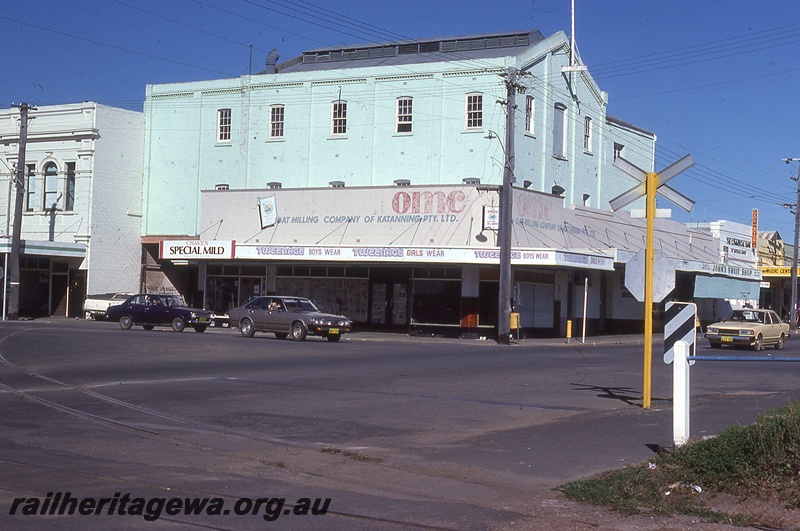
[[793, 302], [506, 206], [13, 266]]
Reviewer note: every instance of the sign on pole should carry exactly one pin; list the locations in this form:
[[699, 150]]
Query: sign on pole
[[680, 325], [651, 183]]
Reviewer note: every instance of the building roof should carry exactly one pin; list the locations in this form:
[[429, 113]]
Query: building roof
[[465, 47]]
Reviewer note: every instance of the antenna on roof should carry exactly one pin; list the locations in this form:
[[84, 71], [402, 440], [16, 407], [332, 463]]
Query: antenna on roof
[[572, 66]]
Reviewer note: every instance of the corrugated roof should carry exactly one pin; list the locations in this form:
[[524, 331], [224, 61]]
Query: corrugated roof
[[466, 47]]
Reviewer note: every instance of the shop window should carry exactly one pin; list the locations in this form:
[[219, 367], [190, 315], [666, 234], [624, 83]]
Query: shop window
[[436, 301]]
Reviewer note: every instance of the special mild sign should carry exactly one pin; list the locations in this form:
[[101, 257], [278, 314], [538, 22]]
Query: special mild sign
[[196, 249]]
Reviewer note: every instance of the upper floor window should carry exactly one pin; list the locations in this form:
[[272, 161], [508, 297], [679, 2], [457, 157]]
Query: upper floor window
[[474, 111], [529, 114], [404, 115], [50, 186], [339, 118], [276, 121], [587, 134], [69, 189], [617, 150], [224, 125], [30, 186], [559, 130]]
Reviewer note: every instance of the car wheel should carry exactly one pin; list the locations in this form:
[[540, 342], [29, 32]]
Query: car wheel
[[281, 335], [178, 324], [148, 327], [781, 343], [299, 331], [246, 328], [200, 329], [333, 338], [125, 322], [759, 344]]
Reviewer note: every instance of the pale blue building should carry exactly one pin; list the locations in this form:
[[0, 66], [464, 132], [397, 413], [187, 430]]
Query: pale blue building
[[375, 114], [429, 114]]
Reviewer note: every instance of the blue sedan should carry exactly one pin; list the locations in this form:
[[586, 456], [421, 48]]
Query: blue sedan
[[151, 310]]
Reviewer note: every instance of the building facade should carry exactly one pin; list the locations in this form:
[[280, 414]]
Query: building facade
[[82, 213], [411, 137]]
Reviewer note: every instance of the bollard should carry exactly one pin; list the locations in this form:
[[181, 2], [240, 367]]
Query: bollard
[[680, 393], [569, 330]]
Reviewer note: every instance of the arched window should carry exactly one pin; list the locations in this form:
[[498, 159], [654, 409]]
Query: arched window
[[50, 186]]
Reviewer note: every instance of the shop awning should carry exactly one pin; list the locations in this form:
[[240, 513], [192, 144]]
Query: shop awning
[[718, 287]]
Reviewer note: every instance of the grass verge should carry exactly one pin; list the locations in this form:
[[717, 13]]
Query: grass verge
[[760, 461]]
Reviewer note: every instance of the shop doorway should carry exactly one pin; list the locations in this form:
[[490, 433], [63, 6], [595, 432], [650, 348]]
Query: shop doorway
[[389, 303], [249, 287], [77, 294]]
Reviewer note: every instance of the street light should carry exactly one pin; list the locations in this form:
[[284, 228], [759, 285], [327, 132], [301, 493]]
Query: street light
[[793, 303]]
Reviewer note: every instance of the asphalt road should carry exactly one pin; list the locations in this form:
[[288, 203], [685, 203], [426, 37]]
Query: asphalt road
[[396, 432]]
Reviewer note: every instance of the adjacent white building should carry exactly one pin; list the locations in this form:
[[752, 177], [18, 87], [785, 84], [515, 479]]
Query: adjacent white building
[[83, 202]]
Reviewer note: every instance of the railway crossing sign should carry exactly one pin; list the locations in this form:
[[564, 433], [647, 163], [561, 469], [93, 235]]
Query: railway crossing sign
[[651, 183], [640, 190]]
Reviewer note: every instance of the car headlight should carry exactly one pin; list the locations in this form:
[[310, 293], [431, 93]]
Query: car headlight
[[712, 330], [193, 315], [344, 323], [747, 332], [317, 321]]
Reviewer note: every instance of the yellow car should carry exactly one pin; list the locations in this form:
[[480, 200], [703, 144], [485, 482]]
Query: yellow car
[[750, 328]]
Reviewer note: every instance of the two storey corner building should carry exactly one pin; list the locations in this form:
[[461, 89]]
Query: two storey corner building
[[80, 227], [367, 178], [417, 112]]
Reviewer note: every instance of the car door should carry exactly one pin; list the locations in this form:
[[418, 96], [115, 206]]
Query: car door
[[156, 311], [136, 309], [774, 326], [257, 312], [279, 318]]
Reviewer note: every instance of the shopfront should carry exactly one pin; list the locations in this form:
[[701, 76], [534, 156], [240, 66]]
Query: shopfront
[[425, 259]]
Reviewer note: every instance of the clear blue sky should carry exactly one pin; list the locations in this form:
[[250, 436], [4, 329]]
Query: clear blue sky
[[714, 78]]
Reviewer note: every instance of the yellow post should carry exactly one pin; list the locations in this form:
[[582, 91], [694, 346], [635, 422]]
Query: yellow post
[[649, 253], [569, 330]]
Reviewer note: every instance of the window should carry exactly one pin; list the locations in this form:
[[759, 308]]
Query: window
[[224, 125], [404, 115], [339, 118], [50, 186], [529, 114], [276, 121], [69, 202], [474, 111], [587, 134], [617, 150], [559, 129], [30, 186]]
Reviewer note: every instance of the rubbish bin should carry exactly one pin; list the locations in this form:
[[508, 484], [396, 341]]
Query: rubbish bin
[[514, 321]]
